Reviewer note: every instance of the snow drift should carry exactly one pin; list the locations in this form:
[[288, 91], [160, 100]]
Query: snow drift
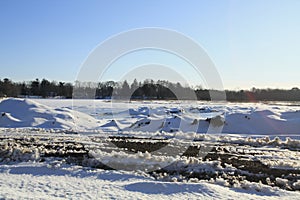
[[155, 117], [17, 113]]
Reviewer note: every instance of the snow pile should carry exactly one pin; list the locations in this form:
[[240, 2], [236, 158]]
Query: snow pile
[[170, 117], [17, 113], [130, 162], [110, 126], [140, 111], [262, 121], [254, 119]]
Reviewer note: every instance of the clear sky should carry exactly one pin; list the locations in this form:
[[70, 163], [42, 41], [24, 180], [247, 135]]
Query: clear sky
[[253, 43]]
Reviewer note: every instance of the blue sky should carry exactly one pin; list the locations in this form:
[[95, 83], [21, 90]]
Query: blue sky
[[253, 43]]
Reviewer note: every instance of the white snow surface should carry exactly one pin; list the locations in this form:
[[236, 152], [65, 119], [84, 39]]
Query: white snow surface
[[16, 113], [54, 179], [151, 116]]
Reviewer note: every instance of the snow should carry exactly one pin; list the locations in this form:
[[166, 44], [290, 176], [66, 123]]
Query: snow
[[249, 132], [254, 119], [18, 113], [239, 118], [25, 175], [45, 181]]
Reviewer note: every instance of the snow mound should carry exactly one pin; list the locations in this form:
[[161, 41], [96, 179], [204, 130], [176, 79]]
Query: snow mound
[[263, 122], [21, 113], [140, 111]]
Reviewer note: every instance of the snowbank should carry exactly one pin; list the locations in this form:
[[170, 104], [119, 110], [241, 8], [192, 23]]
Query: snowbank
[[17, 113], [170, 117]]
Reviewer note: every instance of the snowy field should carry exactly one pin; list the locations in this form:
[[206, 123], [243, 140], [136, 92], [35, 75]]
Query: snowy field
[[55, 149]]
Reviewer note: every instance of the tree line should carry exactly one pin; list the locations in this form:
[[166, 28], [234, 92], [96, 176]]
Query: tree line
[[148, 89], [37, 88]]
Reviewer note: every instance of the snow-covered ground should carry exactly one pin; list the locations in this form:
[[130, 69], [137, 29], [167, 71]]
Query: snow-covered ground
[[55, 181], [151, 116], [54, 148]]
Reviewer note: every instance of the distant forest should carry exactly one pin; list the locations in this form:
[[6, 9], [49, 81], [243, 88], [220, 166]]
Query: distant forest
[[148, 89]]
